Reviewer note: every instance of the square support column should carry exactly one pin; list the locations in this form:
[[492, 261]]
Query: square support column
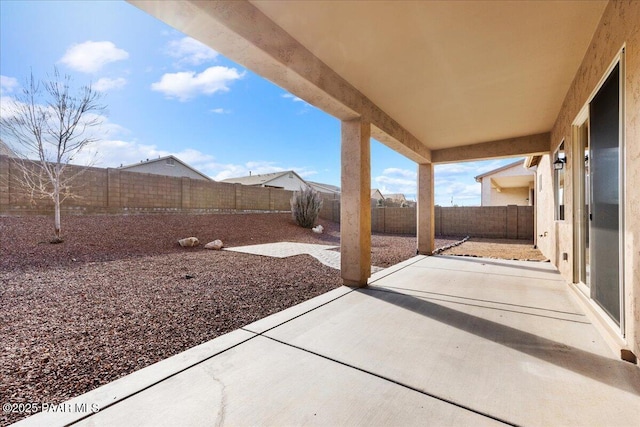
[[355, 209], [425, 216]]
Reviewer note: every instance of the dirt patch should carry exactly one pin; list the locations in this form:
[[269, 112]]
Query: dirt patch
[[120, 294], [497, 248]]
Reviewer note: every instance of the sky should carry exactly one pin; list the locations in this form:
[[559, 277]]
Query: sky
[[166, 93]]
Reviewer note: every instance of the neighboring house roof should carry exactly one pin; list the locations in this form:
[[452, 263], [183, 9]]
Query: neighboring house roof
[[324, 188], [376, 194], [5, 150], [500, 169], [261, 180], [155, 166], [398, 197]]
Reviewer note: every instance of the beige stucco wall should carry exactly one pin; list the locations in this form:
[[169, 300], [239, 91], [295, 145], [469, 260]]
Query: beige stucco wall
[[292, 183], [508, 196], [619, 27]]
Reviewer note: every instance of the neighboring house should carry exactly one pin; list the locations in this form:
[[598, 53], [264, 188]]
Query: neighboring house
[[5, 150], [512, 184], [395, 198], [287, 180], [167, 166], [376, 195], [324, 188]]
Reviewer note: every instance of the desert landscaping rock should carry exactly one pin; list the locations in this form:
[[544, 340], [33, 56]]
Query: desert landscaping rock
[[215, 245], [189, 242]]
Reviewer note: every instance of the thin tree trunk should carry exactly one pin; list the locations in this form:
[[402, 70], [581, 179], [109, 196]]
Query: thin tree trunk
[[56, 203]]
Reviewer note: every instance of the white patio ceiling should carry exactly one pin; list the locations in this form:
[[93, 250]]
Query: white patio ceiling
[[430, 75]]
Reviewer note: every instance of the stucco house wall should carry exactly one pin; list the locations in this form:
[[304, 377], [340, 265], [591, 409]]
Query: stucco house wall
[[490, 196], [617, 29], [288, 181], [508, 196]]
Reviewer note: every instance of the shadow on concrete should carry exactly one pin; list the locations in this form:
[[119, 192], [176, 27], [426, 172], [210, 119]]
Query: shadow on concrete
[[615, 373], [487, 307], [478, 299], [491, 261]]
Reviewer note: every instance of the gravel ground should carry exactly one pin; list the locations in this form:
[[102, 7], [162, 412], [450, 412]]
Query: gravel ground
[[119, 294]]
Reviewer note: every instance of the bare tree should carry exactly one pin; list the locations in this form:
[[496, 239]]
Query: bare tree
[[47, 129]]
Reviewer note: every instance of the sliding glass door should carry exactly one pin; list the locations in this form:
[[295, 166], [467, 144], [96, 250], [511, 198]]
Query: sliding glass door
[[603, 168]]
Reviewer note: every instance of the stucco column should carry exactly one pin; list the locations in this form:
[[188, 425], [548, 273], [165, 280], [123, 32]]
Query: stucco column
[[355, 206], [425, 216]]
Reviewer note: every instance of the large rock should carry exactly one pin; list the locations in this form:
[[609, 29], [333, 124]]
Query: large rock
[[216, 245], [189, 242]]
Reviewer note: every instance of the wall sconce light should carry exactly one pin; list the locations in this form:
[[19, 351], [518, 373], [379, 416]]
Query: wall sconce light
[[558, 164]]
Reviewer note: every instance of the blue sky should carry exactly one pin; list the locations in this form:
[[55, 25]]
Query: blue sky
[[168, 94]]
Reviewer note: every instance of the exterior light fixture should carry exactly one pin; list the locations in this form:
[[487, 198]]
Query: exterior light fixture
[[558, 164]]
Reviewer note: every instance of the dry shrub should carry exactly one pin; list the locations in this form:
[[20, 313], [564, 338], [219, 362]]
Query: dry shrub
[[305, 206]]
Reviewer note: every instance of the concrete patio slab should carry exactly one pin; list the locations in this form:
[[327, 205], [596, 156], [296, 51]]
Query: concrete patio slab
[[291, 313], [267, 383], [435, 341], [521, 350]]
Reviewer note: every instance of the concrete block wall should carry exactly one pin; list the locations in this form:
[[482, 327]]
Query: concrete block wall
[[525, 222], [4, 180], [280, 199], [393, 220], [117, 191], [498, 222], [330, 208], [139, 190], [252, 198]]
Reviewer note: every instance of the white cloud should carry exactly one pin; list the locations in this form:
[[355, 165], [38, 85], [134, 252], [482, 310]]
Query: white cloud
[[187, 84], [395, 180], [220, 111], [8, 84], [90, 56], [190, 51], [457, 192], [105, 84], [400, 173], [293, 98], [306, 107]]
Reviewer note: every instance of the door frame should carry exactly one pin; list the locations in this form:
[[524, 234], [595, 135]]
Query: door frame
[[577, 152]]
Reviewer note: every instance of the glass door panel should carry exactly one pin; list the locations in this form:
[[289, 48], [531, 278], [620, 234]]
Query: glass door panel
[[604, 159]]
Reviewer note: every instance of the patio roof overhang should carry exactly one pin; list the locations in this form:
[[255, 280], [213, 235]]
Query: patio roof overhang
[[438, 81]]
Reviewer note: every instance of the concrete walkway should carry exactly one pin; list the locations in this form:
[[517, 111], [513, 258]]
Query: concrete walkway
[[322, 253], [439, 340]]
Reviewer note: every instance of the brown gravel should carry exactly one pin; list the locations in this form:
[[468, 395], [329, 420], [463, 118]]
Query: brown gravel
[[120, 294], [497, 248]]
